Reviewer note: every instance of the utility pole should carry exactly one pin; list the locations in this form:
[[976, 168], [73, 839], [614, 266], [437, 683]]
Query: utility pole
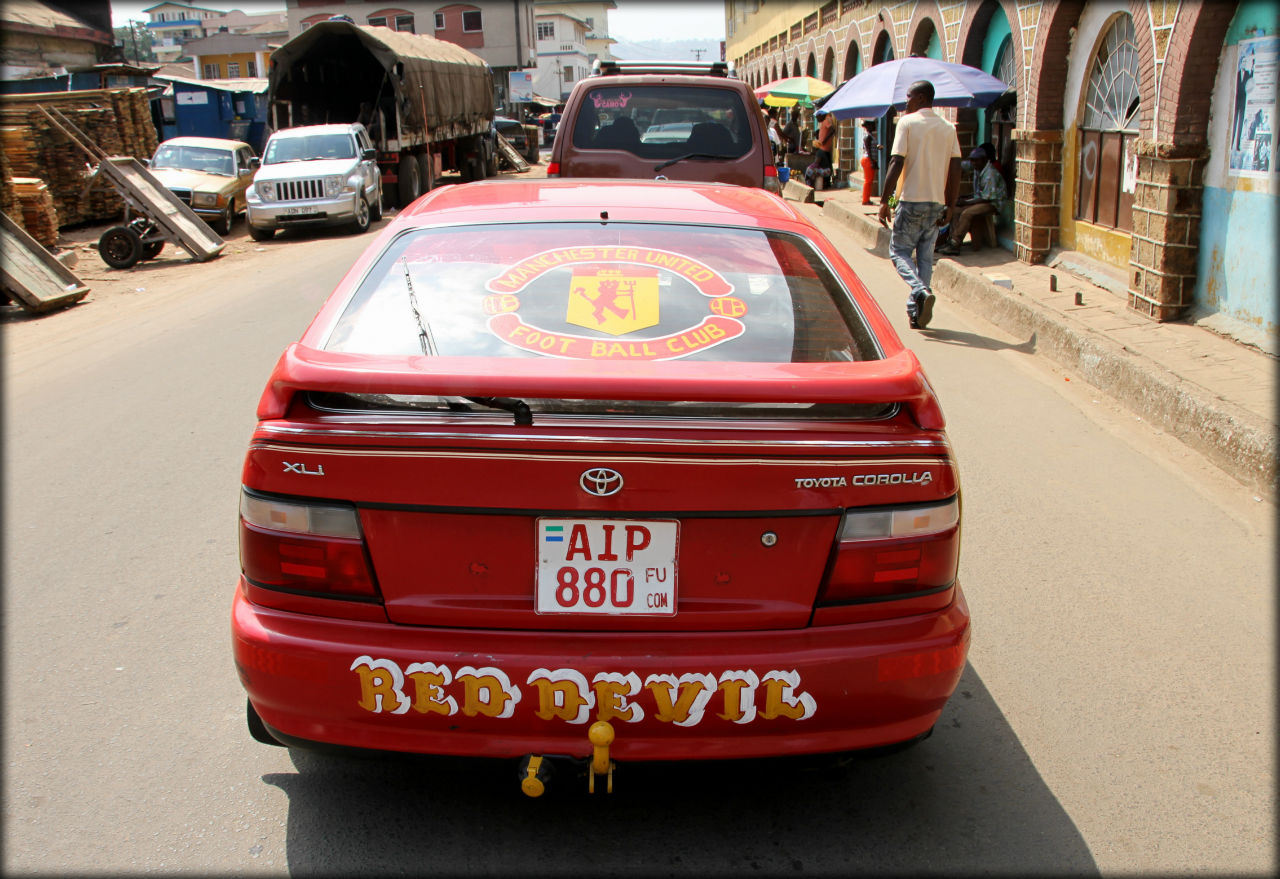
[[133, 38], [697, 54]]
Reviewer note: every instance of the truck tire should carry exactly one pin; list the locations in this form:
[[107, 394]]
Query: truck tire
[[491, 159], [426, 170], [410, 185], [120, 247]]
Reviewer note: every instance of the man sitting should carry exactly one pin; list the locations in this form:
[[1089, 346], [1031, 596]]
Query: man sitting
[[989, 196]]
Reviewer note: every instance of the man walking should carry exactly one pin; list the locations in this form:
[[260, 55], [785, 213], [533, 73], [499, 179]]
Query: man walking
[[926, 155]]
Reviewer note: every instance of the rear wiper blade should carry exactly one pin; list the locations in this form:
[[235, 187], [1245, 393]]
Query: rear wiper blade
[[427, 339], [524, 415], [671, 162]]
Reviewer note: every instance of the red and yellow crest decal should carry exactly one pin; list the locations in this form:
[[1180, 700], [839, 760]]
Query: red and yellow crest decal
[[613, 290]]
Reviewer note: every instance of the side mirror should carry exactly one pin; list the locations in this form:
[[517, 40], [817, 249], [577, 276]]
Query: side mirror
[[369, 155], [255, 163]]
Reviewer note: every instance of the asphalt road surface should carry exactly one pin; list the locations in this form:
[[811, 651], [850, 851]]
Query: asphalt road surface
[[1116, 715]]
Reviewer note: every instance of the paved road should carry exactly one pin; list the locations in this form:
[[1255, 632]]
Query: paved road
[[1116, 714]]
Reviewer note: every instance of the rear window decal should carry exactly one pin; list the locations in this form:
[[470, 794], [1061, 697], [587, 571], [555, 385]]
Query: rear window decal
[[614, 291]]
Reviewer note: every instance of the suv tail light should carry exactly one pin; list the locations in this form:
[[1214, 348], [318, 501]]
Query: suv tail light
[[304, 547], [553, 169], [894, 552]]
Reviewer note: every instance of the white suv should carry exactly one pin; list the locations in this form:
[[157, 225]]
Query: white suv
[[316, 175]]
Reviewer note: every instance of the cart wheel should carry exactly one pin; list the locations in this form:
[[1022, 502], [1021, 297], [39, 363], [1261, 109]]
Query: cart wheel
[[120, 247], [151, 249]]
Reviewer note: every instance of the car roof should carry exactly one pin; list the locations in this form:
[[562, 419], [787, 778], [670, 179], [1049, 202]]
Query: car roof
[[623, 200], [301, 130], [216, 142]]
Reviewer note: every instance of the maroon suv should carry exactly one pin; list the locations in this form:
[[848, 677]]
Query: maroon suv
[[650, 120]]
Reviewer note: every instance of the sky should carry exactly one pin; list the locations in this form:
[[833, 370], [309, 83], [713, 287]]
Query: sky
[[634, 21]]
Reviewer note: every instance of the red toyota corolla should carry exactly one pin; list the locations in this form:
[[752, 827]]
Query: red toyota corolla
[[601, 470]]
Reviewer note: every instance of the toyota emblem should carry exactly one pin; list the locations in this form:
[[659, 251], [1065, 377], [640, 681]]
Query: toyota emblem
[[601, 481]]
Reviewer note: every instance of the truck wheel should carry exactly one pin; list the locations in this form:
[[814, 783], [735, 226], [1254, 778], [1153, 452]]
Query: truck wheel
[[410, 185], [361, 221], [427, 171], [258, 234], [491, 160], [120, 247]]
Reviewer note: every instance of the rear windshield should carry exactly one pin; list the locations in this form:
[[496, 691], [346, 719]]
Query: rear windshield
[[594, 291], [663, 121], [605, 292], [308, 148]]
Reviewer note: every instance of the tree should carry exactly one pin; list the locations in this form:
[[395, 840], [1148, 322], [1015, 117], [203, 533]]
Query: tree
[[135, 41]]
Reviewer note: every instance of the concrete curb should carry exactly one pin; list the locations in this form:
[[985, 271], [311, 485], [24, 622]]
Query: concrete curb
[[1234, 439]]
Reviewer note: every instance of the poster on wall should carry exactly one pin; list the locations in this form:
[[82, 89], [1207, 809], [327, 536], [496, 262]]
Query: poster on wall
[[1253, 122], [520, 84]]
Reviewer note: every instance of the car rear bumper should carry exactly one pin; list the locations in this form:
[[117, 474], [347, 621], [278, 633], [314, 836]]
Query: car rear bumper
[[669, 696]]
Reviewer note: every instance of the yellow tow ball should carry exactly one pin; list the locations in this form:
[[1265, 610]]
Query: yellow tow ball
[[601, 737], [535, 772]]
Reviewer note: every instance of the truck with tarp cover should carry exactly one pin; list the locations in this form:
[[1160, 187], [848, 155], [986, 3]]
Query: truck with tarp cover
[[428, 104]]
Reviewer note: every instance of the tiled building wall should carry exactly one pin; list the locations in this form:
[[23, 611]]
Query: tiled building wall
[[1180, 44]]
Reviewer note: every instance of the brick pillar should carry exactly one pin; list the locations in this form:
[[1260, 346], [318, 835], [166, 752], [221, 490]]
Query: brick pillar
[[1166, 229], [1037, 193]]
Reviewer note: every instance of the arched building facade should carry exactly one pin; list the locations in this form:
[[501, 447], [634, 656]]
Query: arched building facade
[[1137, 132]]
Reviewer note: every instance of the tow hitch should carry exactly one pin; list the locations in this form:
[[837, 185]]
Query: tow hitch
[[537, 770]]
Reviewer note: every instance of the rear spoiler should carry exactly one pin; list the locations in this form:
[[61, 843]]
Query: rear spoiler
[[895, 379]]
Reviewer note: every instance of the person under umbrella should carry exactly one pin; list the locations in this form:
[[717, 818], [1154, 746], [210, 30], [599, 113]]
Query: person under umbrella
[[926, 155], [989, 196]]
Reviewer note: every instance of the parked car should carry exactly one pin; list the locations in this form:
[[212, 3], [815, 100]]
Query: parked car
[[207, 173], [316, 175], [610, 470], [522, 136], [659, 119]]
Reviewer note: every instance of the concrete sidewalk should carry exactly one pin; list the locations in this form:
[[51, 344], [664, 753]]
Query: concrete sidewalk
[[1216, 395]]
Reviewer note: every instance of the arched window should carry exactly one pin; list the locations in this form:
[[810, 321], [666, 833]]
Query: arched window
[[1108, 128]]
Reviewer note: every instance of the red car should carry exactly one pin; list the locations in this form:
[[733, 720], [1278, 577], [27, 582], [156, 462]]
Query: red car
[[603, 471]]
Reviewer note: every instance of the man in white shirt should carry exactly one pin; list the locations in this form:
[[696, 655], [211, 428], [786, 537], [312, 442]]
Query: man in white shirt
[[926, 155]]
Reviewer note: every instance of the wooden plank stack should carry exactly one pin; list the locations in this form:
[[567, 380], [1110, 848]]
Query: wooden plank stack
[[118, 121], [39, 217]]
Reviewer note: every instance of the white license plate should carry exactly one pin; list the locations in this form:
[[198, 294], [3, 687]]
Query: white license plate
[[607, 566], [297, 211]]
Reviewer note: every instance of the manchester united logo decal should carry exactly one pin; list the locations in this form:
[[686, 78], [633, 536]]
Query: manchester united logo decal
[[614, 291]]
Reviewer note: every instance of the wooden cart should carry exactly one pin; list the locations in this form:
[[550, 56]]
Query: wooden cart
[[32, 275], [152, 214]]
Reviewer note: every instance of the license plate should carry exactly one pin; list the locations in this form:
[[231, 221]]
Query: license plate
[[607, 566], [299, 211]]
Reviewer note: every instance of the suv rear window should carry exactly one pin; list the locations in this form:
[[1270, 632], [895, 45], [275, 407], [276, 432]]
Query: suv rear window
[[616, 291], [663, 121]]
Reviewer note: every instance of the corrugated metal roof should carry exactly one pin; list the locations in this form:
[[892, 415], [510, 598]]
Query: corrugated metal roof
[[256, 85]]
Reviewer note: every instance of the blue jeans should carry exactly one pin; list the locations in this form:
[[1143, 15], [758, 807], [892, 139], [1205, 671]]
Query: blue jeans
[[915, 229]]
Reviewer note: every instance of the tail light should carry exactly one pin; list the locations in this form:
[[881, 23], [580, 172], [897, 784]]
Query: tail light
[[894, 552], [304, 547], [770, 170], [553, 169]]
